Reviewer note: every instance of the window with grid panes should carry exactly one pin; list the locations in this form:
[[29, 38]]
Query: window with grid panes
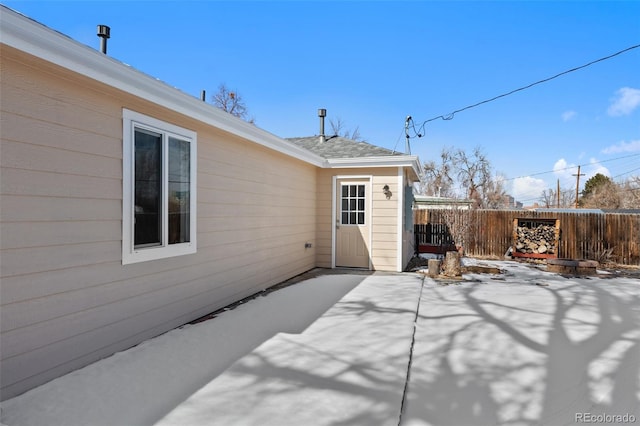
[[352, 204]]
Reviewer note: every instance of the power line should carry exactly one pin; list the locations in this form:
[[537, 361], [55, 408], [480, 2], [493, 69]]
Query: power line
[[402, 132], [573, 167], [458, 187], [506, 179], [625, 173], [450, 116]]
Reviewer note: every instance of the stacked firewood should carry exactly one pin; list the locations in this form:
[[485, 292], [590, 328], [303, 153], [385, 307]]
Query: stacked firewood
[[541, 240]]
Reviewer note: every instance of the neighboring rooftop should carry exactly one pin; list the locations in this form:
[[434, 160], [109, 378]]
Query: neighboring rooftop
[[433, 202], [568, 210], [339, 147]]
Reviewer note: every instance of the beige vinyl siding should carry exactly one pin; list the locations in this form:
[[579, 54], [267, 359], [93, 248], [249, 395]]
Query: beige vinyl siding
[[324, 218], [384, 216], [66, 298], [385, 221], [407, 231]]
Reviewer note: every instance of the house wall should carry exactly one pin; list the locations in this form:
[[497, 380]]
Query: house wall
[[384, 219], [66, 299], [408, 237]]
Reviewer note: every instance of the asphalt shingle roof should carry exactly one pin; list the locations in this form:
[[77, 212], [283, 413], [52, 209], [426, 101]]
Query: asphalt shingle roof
[[339, 147]]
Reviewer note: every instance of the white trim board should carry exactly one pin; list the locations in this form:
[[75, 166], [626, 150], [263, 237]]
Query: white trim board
[[400, 229], [334, 214], [386, 161]]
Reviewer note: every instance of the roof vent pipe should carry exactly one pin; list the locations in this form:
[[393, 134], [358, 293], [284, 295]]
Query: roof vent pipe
[[322, 113], [104, 34]]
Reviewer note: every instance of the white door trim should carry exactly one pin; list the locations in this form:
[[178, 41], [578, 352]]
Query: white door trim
[[334, 214], [400, 247]]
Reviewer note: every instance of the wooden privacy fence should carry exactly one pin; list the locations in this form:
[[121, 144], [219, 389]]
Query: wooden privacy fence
[[433, 238], [603, 237]]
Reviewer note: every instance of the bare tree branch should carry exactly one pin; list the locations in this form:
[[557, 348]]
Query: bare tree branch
[[474, 172], [437, 180], [338, 129], [549, 198], [231, 102], [630, 192]]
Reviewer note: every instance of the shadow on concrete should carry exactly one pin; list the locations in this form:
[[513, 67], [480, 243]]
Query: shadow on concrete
[[525, 352]]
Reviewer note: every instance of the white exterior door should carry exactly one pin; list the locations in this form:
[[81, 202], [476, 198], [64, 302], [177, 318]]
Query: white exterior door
[[352, 242]]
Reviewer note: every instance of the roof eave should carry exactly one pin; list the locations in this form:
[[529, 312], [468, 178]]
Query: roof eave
[[31, 37], [409, 161]]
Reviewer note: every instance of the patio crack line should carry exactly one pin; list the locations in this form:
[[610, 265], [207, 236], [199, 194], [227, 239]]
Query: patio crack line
[[413, 340]]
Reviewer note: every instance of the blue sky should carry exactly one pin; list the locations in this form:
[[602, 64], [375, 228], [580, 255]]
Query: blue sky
[[373, 63]]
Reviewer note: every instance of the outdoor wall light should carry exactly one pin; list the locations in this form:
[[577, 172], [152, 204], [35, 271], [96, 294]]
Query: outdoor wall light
[[385, 190]]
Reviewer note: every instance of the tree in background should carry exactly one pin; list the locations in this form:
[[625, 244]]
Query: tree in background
[[231, 102], [436, 179], [600, 192], [595, 182], [338, 127], [630, 193], [458, 173], [494, 193], [474, 174], [549, 198], [471, 171]]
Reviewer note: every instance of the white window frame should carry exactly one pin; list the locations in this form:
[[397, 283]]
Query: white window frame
[[130, 121], [357, 211]]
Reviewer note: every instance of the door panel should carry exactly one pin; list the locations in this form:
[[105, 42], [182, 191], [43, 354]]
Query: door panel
[[352, 223]]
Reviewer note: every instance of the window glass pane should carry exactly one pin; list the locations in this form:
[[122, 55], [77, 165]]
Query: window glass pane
[[345, 204], [360, 190], [361, 204], [345, 190], [148, 188], [179, 191], [352, 205], [345, 218], [352, 218], [352, 190], [360, 218]]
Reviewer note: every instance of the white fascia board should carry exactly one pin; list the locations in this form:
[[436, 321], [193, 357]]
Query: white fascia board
[[400, 220], [29, 36], [411, 161]]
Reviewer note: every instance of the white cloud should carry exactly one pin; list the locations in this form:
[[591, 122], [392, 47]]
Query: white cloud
[[594, 168], [623, 146], [564, 172], [562, 168], [627, 99], [569, 115], [567, 173], [527, 189]]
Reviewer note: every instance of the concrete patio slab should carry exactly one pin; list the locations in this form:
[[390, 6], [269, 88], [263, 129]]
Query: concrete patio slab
[[522, 347], [527, 347], [348, 368]]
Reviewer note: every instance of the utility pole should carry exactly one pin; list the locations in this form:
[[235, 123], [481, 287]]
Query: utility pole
[[577, 183], [558, 194], [407, 145]]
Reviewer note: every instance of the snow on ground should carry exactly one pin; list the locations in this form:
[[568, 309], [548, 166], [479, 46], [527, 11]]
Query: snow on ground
[[526, 347], [347, 368], [141, 385]]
